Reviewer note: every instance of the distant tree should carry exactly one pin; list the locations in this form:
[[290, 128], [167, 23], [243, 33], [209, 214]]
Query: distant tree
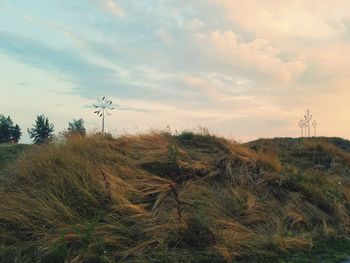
[[76, 127], [16, 133], [42, 130], [8, 131]]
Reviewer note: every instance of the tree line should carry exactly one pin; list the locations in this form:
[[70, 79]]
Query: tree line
[[41, 132]]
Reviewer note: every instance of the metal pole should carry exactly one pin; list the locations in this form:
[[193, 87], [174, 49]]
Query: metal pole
[[308, 118], [301, 125], [314, 124], [103, 121], [315, 130]]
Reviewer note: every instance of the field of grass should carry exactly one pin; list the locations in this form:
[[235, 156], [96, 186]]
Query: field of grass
[[188, 197]]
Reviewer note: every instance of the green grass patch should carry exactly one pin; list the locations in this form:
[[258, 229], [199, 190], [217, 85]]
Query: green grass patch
[[331, 251]]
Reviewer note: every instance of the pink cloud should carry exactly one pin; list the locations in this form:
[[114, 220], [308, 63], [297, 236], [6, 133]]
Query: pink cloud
[[256, 56], [275, 19]]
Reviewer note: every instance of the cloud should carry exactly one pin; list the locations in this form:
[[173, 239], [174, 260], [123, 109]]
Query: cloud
[[89, 78], [65, 30], [165, 37], [219, 88], [257, 57], [114, 7], [122, 108], [195, 23], [93, 78], [235, 65], [280, 19]]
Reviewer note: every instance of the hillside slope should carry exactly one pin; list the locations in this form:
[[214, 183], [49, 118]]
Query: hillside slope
[[164, 198], [331, 155], [9, 153]]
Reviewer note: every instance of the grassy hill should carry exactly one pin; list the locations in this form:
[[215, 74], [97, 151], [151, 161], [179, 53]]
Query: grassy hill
[[329, 155], [9, 153], [177, 198]]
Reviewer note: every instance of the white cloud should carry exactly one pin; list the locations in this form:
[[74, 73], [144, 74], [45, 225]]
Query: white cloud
[[257, 56]]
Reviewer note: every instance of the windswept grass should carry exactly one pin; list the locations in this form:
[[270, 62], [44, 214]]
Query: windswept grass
[[159, 197], [8, 154]]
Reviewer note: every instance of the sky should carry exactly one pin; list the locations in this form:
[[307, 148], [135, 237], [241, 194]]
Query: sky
[[243, 69]]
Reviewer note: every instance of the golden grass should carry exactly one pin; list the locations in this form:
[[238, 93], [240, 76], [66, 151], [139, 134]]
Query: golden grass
[[114, 200]]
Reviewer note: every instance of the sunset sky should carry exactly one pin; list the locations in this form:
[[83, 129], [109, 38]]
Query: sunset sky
[[243, 69]]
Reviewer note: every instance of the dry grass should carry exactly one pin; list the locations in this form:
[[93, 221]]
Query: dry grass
[[162, 196]]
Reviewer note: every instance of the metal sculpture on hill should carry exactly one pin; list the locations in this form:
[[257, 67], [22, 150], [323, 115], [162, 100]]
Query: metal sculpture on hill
[[304, 125], [102, 107]]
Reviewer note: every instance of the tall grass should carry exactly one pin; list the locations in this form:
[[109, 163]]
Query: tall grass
[[159, 197]]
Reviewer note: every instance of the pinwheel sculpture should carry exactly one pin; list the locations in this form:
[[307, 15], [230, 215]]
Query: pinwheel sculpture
[[305, 123], [102, 108]]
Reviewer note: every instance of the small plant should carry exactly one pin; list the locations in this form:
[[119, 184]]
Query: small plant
[[79, 241], [107, 185], [174, 173], [173, 165]]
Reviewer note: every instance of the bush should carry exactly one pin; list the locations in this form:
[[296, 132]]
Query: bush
[[8, 131]]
